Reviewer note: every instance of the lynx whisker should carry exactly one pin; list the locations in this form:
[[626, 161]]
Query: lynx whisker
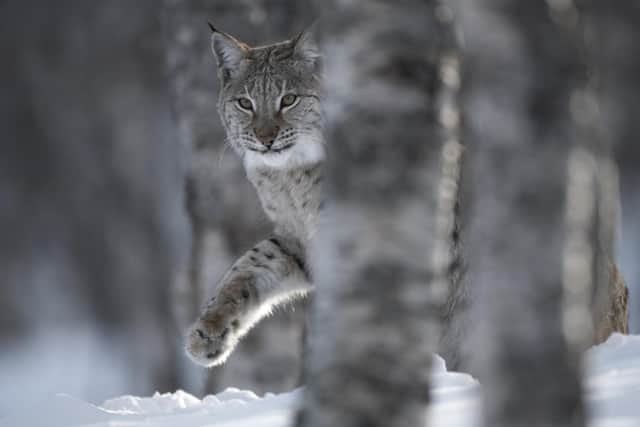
[[226, 144]]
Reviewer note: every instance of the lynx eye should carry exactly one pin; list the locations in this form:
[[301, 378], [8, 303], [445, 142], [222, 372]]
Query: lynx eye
[[288, 100], [245, 103]]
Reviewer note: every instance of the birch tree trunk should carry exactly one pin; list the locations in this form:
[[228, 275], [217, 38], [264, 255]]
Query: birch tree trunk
[[591, 274], [614, 45], [381, 259], [531, 287]]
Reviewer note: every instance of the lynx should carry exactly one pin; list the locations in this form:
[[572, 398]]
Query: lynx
[[270, 107]]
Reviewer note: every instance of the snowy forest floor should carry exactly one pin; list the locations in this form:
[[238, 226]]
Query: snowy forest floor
[[612, 391]]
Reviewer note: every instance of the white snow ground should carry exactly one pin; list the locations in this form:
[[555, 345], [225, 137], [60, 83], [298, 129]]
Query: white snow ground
[[612, 387]]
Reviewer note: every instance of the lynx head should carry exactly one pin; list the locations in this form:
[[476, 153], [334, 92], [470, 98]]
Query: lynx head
[[269, 100]]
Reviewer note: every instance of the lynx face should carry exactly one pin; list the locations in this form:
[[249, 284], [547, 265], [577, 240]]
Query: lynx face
[[269, 102]]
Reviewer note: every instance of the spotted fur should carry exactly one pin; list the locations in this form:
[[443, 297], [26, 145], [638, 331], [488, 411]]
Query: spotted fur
[[282, 149]]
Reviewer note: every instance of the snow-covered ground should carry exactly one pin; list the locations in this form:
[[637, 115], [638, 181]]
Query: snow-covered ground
[[612, 387]]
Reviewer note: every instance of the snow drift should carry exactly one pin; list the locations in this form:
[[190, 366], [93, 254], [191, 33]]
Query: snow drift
[[612, 390]]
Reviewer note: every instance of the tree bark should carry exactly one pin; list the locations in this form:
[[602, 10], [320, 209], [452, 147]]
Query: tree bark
[[614, 45], [523, 76], [591, 276], [383, 253]]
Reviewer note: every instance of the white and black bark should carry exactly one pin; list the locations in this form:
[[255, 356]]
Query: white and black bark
[[594, 294], [380, 274], [614, 46], [523, 71]]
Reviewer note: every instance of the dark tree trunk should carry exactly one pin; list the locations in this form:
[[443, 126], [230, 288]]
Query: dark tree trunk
[[448, 260], [383, 253], [522, 136], [87, 185]]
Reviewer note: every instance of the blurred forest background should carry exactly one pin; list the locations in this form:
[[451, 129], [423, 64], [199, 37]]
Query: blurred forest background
[[112, 171], [120, 207]]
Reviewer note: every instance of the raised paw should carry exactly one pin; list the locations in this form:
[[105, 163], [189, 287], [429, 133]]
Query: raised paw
[[215, 334]]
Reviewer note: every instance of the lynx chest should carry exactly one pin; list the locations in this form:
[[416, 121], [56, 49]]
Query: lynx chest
[[290, 198]]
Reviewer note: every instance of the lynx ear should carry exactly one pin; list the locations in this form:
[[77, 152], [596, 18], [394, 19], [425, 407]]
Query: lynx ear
[[305, 47], [229, 53]]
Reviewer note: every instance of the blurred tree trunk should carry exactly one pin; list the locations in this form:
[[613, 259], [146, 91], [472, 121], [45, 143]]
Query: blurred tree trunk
[[194, 106], [593, 191], [449, 263], [87, 184], [223, 208], [614, 46], [531, 252], [383, 251]]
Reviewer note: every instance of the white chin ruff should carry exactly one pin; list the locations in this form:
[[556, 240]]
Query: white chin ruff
[[302, 152]]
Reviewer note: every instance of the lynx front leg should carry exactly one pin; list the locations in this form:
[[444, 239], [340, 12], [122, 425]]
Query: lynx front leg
[[271, 272]]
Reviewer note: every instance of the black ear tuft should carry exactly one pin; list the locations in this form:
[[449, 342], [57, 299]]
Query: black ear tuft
[[305, 46], [229, 53], [213, 30]]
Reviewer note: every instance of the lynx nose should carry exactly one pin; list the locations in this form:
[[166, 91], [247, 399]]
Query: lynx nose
[[267, 135]]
